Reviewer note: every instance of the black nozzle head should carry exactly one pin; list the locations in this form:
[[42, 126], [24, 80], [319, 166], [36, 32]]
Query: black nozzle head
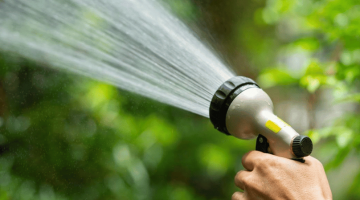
[[223, 97], [302, 146]]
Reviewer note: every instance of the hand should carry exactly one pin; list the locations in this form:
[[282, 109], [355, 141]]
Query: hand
[[272, 177]]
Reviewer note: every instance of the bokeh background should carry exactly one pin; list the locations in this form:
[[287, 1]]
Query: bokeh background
[[68, 137]]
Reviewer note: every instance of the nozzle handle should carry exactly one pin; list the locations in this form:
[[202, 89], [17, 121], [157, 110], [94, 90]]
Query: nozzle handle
[[263, 146]]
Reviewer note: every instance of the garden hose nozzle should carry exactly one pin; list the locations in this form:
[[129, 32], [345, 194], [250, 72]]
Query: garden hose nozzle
[[242, 109]]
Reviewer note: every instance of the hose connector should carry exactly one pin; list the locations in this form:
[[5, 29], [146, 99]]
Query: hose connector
[[223, 97]]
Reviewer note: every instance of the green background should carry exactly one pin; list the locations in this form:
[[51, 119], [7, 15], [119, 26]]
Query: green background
[[68, 137]]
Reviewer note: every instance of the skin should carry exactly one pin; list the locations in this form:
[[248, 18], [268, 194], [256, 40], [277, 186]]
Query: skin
[[273, 177]]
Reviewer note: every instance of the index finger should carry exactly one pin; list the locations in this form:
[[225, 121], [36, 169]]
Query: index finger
[[251, 159]]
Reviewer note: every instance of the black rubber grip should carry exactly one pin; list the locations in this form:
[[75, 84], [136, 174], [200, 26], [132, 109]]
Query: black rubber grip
[[223, 97]]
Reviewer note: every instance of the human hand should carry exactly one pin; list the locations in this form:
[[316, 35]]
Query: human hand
[[272, 177]]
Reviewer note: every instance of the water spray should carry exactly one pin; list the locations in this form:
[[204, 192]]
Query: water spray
[[241, 108], [141, 47]]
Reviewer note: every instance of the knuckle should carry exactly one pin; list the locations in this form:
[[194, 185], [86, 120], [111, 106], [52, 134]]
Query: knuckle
[[236, 196], [243, 159], [318, 163], [244, 177], [250, 184], [262, 159], [265, 164], [240, 176], [247, 180], [315, 161]]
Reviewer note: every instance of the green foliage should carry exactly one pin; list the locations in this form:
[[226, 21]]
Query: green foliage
[[276, 76], [184, 9], [313, 77]]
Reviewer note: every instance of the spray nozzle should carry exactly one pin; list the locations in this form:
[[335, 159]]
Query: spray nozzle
[[240, 108]]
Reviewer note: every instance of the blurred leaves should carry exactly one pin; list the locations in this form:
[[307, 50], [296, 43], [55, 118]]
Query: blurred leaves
[[314, 77], [308, 44], [276, 76], [215, 159], [350, 98]]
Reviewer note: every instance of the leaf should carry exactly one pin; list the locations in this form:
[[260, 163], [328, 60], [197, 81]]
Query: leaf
[[215, 159], [349, 98], [314, 135], [313, 85], [344, 138], [338, 158], [273, 77], [310, 43], [314, 68], [314, 77]]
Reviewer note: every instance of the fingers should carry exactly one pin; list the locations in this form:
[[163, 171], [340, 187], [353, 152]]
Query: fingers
[[250, 159], [238, 196], [240, 179], [253, 159], [313, 161]]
